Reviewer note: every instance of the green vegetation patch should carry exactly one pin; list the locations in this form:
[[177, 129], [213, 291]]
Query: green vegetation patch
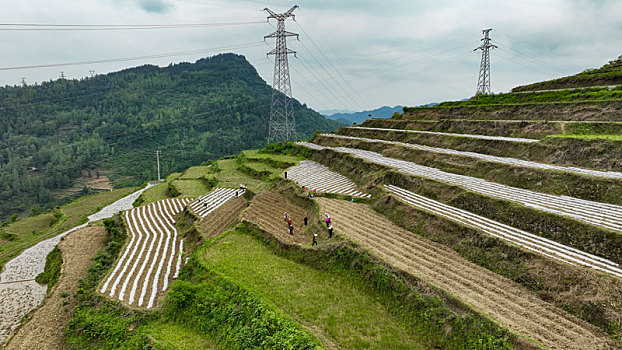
[[231, 177], [588, 94], [615, 137], [51, 272], [195, 172], [155, 193], [326, 301], [170, 335], [190, 188]]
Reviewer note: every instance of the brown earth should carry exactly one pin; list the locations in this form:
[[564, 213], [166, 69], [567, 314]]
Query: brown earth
[[504, 301], [47, 324], [577, 111], [222, 217], [267, 210]]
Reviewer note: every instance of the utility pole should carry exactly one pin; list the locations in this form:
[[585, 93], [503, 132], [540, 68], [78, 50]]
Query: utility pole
[[62, 75], [483, 82], [92, 72], [282, 125], [158, 160]]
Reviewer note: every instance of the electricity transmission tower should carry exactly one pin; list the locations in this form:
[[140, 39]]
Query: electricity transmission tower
[[92, 72], [62, 75], [282, 125], [483, 82]]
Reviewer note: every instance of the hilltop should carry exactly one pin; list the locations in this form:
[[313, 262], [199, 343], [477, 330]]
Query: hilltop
[[609, 74], [359, 117], [111, 125]]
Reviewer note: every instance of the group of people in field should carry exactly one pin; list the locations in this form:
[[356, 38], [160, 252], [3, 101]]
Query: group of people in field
[[329, 226]]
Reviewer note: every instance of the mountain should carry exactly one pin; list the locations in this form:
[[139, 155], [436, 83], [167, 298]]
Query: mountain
[[329, 112], [359, 117], [192, 112]]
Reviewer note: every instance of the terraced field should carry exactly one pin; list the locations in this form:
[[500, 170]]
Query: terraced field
[[319, 177], [472, 136], [501, 299], [488, 158], [267, 210], [152, 258], [206, 204], [603, 215], [496, 229]]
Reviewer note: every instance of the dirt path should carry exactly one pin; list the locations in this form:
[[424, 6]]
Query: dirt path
[[501, 299], [267, 211], [46, 327]]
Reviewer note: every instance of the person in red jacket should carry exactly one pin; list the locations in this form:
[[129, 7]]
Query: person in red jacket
[[314, 239]]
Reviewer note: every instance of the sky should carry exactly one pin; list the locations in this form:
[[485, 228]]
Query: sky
[[351, 55]]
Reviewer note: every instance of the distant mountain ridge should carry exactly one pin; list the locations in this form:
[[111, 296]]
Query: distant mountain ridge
[[191, 112], [359, 117]]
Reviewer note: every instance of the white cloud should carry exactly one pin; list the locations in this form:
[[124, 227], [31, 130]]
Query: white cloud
[[390, 52]]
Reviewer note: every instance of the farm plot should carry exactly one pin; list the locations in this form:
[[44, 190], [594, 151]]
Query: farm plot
[[152, 257], [267, 211], [317, 176], [496, 229], [206, 204], [489, 158], [501, 299], [603, 215], [472, 136]]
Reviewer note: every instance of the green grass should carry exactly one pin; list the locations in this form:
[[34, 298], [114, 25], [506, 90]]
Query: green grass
[[195, 172], [155, 193], [326, 302], [31, 224], [278, 157], [75, 213], [171, 335], [230, 176], [51, 272], [190, 188], [616, 137]]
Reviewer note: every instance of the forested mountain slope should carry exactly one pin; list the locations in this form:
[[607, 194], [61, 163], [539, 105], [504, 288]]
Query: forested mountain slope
[[192, 112]]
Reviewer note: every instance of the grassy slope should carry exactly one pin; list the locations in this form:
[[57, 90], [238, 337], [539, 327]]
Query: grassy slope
[[171, 335], [328, 301], [75, 213]]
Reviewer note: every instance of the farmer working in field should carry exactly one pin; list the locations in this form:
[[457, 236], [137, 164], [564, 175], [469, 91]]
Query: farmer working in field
[[291, 229], [305, 220], [314, 239], [330, 231]]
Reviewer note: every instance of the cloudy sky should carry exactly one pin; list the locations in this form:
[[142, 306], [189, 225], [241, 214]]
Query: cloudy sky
[[352, 55]]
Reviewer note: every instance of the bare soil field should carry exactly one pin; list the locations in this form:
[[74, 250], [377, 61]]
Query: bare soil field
[[223, 216], [506, 302], [45, 328], [267, 210]]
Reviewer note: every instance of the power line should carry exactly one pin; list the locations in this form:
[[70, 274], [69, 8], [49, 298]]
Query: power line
[[135, 58], [361, 100], [96, 27]]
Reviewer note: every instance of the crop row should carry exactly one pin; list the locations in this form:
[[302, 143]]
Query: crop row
[[317, 176], [603, 215], [489, 158], [146, 267], [206, 204], [496, 229]]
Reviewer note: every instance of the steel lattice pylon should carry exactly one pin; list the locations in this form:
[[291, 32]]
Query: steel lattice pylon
[[282, 123], [483, 82]]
